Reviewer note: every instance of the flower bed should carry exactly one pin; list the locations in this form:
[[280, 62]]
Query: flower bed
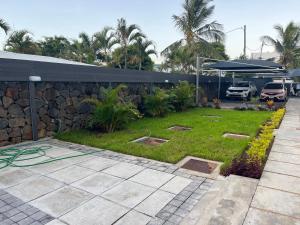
[[252, 162]]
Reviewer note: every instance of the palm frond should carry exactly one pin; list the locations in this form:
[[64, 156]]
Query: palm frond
[[4, 26]]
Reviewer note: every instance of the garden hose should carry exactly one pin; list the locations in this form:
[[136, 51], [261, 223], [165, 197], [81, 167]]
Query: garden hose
[[11, 156]]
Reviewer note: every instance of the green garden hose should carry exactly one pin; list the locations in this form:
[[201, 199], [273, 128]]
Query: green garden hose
[[11, 156]]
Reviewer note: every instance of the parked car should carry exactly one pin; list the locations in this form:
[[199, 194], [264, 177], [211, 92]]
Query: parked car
[[274, 91], [242, 90]]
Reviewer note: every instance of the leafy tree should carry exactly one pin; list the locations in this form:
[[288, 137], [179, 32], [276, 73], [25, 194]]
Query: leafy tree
[[103, 42], [133, 59], [4, 26], [21, 42], [126, 35], [287, 44], [57, 46]]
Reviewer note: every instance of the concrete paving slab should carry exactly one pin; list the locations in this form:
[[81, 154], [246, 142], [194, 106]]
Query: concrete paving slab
[[56, 222], [282, 168], [124, 170], [176, 185], [280, 182], [152, 178], [133, 218], [71, 174], [155, 202], [60, 152], [277, 201], [34, 187], [286, 149], [49, 167], [97, 211], [283, 157], [289, 143], [61, 201], [79, 159], [259, 217], [31, 161], [97, 183], [128, 194], [98, 163], [13, 176], [226, 203]]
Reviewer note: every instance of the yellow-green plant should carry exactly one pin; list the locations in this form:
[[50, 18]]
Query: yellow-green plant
[[259, 146]]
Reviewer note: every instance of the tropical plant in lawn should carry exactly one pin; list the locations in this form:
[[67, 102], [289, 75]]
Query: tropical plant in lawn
[[126, 35], [103, 42], [287, 44], [114, 111], [21, 42], [4, 26], [183, 96], [144, 49], [158, 104], [57, 46]]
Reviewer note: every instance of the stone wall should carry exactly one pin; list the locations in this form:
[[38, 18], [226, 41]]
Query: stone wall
[[58, 104]]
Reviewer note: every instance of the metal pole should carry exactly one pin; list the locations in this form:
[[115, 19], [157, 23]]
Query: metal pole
[[219, 88], [33, 111], [197, 80], [245, 41]]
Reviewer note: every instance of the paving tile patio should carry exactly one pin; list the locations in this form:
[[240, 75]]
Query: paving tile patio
[[133, 217], [128, 194], [277, 198], [123, 170], [34, 187], [61, 201], [155, 202], [98, 164], [131, 190], [152, 178], [71, 174], [97, 183], [259, 217]]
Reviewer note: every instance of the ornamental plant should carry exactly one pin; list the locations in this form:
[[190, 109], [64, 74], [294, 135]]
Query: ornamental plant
[[114, 111], [183, 96], [158, 104]]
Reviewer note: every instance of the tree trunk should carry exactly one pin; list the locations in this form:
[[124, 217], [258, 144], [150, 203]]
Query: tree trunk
[[125, 66]]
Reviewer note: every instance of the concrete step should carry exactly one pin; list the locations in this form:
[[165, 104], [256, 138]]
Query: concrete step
[[226, 203]]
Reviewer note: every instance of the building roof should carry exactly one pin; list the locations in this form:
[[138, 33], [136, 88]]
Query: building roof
[[38, 58], [246, 65]]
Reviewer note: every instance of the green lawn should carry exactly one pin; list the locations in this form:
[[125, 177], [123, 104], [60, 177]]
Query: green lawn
[[204, 140]]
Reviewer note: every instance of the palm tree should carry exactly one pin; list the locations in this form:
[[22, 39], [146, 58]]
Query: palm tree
[[287, 44], [125, 35], [4, 26], [193, 23], [21, 42], [143, 50], [103, 41]]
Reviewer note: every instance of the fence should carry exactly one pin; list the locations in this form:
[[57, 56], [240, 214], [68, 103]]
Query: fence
[[59, 95]]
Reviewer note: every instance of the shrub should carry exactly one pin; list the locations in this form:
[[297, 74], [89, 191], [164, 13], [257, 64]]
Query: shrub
[[183, 96], [251, 163], [113, 112], [217, 103], [157, 104]]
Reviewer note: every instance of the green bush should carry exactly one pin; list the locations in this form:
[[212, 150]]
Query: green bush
[[113, 112], [183, 96], [158, 104]]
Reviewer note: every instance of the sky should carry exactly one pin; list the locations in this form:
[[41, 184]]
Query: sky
[[70, 17]]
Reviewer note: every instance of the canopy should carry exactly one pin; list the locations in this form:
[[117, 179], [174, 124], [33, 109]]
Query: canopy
[[248, 66]]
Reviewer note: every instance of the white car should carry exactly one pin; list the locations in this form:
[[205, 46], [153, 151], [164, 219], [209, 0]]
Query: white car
[[242, 90]]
